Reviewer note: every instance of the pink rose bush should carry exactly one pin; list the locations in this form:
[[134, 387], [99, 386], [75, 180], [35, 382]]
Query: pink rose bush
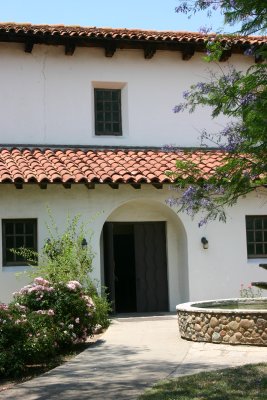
[[42, 320]]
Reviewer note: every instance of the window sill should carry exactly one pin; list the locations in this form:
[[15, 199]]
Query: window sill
[[15, 268], [109, 136], [257, 261]]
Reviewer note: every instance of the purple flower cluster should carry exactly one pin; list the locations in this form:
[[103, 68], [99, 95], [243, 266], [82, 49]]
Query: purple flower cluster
[[205, 29], [178, 108], [184, 8], [186, 94], [170, 148], [196, 198], [187, 7], [202, 87], [250, 51], [232, 134], [247, 99]]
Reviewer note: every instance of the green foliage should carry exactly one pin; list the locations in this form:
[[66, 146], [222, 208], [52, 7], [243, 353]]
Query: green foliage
[[240, 96], [60, 309], [250, 14], [43, 320], [63, 258]]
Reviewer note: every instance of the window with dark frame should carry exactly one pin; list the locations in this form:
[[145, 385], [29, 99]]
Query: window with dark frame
[[108, 112], [18, 233], [256, 229]]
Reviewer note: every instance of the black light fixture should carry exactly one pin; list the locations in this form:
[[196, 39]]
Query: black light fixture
[[84, 244], [205, 243]]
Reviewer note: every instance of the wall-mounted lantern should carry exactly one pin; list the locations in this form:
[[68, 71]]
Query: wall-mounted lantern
[[205, 243], [84, 244]]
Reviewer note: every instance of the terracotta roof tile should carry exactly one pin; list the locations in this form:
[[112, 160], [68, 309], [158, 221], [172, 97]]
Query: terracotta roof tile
[[76, 166], [18, 31]]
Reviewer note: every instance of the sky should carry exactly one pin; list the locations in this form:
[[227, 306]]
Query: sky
[[143, 14]]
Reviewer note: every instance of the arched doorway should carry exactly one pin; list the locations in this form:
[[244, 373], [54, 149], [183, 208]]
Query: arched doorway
[[144, 263]]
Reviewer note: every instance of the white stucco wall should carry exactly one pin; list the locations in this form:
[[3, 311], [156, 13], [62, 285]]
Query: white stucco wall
[[47, 97], [193, 273]]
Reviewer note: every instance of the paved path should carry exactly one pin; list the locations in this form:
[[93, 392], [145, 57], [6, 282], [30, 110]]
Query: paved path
[[132, 355]]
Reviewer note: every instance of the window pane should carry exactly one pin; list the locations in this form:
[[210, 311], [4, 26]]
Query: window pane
[[116, 117], [10, 242], [258, 223], [9, 228], [107, 95], [115, 107], [107, 112], [115, 95], [108, 106], [9, 256], [99, 106], [100, 127], [108, 116], [259, 236], [259, 249], [250, 236], [108, 127], [19, 241], [21, 233], [29, 242], [250, 248], [19, 228], [99, 116], [29, 227], [256, 235], [116, 128], [99, 94]]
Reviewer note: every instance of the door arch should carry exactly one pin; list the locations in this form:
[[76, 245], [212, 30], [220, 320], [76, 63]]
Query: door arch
[[147, 211]]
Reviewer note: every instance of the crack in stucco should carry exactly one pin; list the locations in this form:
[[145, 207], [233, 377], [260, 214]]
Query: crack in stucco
[[44, 96]]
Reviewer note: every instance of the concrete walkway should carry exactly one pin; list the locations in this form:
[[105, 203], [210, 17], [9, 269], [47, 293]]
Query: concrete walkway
[[133, 354]]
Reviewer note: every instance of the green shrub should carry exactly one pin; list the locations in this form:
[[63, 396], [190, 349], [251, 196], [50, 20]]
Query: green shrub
[[63, 259], [42, 321], [61, 308]]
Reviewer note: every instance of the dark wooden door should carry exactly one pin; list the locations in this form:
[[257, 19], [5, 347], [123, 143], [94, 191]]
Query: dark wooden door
[[148, 253], [151, 267]]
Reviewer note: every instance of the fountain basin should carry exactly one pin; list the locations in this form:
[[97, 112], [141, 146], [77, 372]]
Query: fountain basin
[[228, 321]]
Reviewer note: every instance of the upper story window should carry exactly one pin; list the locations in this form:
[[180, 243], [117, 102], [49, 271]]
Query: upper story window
[[256, 228], [18, 233], [108, 112]]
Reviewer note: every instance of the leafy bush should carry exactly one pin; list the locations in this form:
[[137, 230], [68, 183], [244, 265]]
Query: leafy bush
[[41, 321], [64, 258], [60, 309]]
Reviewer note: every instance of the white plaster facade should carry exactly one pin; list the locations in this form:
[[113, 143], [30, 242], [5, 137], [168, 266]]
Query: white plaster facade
[[51, 95], [47, 99], [193, 273]]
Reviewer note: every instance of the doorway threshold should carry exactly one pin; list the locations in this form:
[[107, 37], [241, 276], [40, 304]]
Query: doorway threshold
[[149, 316]]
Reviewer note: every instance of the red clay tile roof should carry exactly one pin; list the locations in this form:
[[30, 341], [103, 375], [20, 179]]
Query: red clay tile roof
[[90, 36], [118, 33], [98, 166]]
